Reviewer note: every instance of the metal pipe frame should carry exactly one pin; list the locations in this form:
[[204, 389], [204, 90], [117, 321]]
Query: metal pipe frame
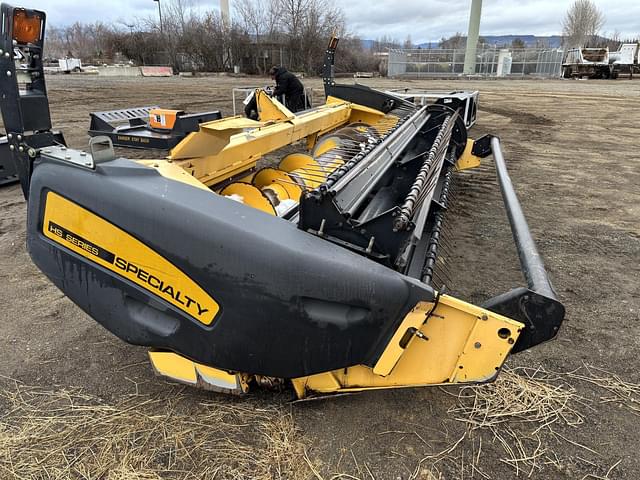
[[530, 259], [537, 306]]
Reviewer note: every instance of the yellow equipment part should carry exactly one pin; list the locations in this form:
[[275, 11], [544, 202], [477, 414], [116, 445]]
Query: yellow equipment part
[[467, 159], [297, 172], [174, 172], [270, 177], [456, 343], [227, 147], [305, 168], [183, 370], [250, 195], [326, 144], [270, 108], [445, 342], [277, 190]]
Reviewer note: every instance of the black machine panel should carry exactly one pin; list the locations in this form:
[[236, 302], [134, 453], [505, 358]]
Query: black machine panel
[[279, 288]]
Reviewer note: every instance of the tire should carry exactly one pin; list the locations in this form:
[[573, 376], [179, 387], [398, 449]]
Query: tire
[[566, 72]]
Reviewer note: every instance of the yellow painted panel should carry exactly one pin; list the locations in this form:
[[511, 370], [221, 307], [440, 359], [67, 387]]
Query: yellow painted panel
[[394, 350], [174, 366], [178, 368], [362, 114], [271, 109], [174, 172], [458, 334], [101, 242], [215, 374], [467, 159], [231, 123], [251, 196]]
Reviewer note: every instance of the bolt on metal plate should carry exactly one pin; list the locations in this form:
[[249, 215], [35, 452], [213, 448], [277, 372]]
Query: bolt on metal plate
[[69, 155]]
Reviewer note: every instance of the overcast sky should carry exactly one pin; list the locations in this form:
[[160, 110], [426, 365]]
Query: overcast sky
[[424, 20]]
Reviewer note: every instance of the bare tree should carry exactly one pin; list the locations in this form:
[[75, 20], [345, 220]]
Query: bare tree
[[456, 41], [207, 44], [518, 44], [82, 40], [408, 44], [383, 43], [260, 18], [320, 20], [610, 41], [292, 32], [582, 23]]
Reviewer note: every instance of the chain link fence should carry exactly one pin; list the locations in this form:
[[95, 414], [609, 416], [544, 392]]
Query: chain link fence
[[491, 62]]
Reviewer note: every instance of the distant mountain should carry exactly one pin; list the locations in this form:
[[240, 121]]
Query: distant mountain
[[553, 41]]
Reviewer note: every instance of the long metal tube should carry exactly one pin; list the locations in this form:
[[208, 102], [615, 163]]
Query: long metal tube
[[530, 259]]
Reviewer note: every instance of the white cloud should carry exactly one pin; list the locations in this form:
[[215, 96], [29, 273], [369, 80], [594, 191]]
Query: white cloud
[[424, 20], [427, 20]]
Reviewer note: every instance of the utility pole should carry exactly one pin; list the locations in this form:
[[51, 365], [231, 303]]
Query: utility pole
[[225, 13], [159, 14], [472, 37]]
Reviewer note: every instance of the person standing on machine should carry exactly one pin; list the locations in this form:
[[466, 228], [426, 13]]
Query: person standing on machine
[[287, 84]]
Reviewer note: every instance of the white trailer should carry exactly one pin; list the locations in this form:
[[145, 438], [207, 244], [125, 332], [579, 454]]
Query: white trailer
[[625, 60], [587, 62], [68, 65]]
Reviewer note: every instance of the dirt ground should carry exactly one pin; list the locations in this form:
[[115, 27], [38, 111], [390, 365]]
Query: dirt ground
[[572, 151]]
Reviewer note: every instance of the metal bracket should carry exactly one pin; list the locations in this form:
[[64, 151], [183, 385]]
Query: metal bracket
[[62, 153], [101, 149], [482, 147]]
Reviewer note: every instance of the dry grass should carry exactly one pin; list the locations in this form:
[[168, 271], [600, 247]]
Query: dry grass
[[619, 391], [519, 410], [526, 413], [525, 409], [67, 434]]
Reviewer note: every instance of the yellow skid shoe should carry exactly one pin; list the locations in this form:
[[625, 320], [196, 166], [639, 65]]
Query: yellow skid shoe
[[182, 370]]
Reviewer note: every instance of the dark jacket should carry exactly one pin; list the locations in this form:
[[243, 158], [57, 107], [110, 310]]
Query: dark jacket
[[287, 84]]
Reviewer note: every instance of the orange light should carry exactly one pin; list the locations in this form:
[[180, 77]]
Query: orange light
[[26, 29]]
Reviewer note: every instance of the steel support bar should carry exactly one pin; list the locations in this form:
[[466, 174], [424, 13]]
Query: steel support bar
[[536, 306], [530, 259]]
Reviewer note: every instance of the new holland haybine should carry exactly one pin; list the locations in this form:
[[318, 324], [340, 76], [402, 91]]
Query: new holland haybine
[[323, 271]]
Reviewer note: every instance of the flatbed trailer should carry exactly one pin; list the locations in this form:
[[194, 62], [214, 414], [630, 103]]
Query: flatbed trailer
[[589, 63]]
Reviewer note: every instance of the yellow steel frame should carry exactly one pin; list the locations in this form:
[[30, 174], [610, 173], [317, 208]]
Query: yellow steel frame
[[225, 148]]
